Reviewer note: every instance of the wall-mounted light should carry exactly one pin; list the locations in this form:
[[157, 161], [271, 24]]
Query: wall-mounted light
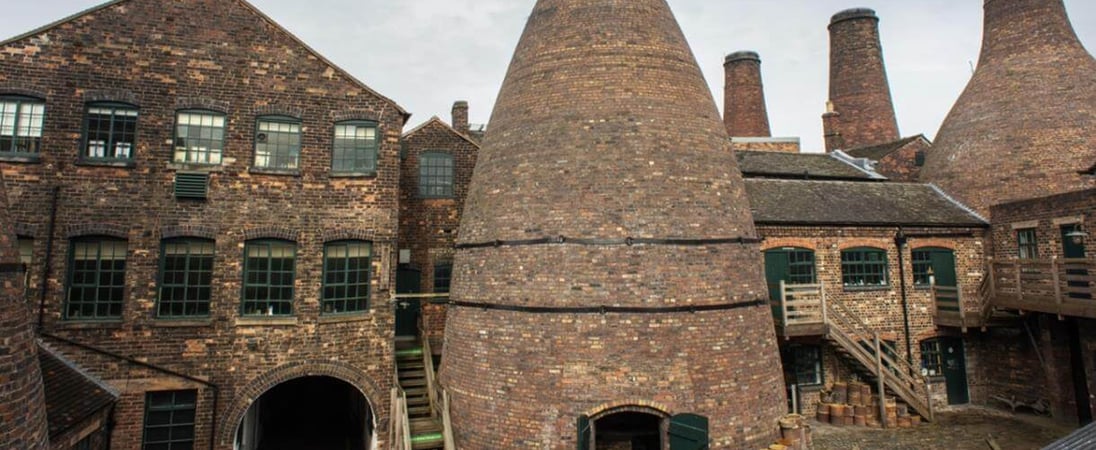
[[1078, 235]]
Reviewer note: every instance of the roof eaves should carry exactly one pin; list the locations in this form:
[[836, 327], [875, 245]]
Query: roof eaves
[[60, 22], [951, 199], [42, 345], [851, 161], [442, 123]]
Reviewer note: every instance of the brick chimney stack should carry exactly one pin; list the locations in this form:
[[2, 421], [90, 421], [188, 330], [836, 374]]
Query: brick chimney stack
[[574, 261], [1024, 127], [744, 111], [862, 112], [460, 116], [23, 403]]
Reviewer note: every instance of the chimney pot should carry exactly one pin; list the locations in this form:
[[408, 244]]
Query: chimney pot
[[460, 116]]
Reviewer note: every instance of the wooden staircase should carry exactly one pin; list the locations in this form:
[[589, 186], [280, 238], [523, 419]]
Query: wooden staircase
[[425, 428]]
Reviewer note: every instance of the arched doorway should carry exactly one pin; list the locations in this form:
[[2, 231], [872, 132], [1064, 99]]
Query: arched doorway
[[628, 430], [313, 412]]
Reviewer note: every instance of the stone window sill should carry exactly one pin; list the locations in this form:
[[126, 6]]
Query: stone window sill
[[91, 162], [866, 288], [279, 172], [77, 324], [266, 321], [20, 158], [165, 322], [370, 174], [194, 167], [357, 316], [811, 387]]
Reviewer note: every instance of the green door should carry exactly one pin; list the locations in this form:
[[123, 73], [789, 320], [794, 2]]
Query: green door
[[943, 266], [584, 432], [688, 432], [776, 269], [408, 281], [955, 370], [1072, 249]]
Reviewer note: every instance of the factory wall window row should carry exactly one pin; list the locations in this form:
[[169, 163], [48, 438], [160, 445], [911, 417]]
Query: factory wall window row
[[186, 278], [110, 132], [346, 274], [199, 137], [96, 278], [864, 268], [277, 143], [21, 122], [435, 175], [354, 149], [269, 270], [169, 420]]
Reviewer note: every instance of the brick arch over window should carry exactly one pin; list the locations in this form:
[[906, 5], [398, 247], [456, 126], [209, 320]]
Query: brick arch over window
[[272, 232], [111, 95], [346, 234], [801, 243], [258, 386], [916, 243], [11, 89], [178, 231], [96, 229], [278, 110], [883, 244], [202, 103], [26, 229], [631, 405], [355, 114]]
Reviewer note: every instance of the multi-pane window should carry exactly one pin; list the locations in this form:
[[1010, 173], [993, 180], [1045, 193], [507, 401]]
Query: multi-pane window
[[922, 265], [97, 272], [278, 143], [21, 121], [199, 137], [346, 276], [268, 278], [169, 420], [186, 278], [26, 250], [800, 266], [111, 131], [931, 363], [435, 175], [1028, 246], [355, 147], [864, 267], [443, 272], [803, 364]]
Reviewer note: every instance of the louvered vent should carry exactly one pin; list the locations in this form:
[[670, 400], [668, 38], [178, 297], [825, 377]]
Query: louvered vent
[[191, 185]]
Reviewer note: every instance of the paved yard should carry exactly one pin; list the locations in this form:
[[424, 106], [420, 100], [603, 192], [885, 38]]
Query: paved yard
[[961, 429]]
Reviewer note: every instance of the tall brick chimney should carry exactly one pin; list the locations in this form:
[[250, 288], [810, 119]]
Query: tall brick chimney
[[862, 112], [23, 403], [583, 285], [1025, 126], [744, 111], [460, 116]]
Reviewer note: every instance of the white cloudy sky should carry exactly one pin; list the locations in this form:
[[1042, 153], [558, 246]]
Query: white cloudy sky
[[427, 53]]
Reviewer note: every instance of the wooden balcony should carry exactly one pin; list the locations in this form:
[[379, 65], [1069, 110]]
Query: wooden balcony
[[1066, 287], [800, 310], [953, 309]]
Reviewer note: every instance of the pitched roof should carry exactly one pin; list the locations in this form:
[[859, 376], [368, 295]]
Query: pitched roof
[[71, 396], [438, 121], [855, 203], [406, 115], [877, 152], [760, 164], [1080, 439]]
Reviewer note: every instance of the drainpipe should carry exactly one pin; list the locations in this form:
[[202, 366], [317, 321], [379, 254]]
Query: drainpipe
[[49, 258], [900, 242]]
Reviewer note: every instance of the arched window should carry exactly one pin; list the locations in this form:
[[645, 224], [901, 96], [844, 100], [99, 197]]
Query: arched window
[[21, 120], [186, 278], [269, 269], [864, 267], [346, 267], [435, 175], [110, 131]]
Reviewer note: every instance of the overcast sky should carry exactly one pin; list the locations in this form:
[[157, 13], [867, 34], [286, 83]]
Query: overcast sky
[[425, 54]]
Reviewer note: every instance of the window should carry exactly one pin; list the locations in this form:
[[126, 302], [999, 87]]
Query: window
[[443, 272], [931, 364], [1027, 246], [435, 175], [346, 276], [922, 265], [800, 266], [864, 267], [803, 364], [199, 137], [268, 278], [278, 143], [186, 278], [21, 121], [97, 272], [26, 250], [355, 147], [85, 443], [169, 420], [110, 131]]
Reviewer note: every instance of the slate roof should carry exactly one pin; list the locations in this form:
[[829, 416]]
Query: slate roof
[[877, 152], [812, 202], [71, 397], [1081, 439], [797, 166]]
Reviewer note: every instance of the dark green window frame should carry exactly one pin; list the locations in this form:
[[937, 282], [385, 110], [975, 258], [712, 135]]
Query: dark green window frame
[[355, 146], [443, 275], [186, 277], [96, 278], [21, 123], [269, 270], [199, 136], [435, 175], [169, 420], [1027, 244], [800, 266], [931, 361], [864, 268], [110, 132], [347, 267], [922, 264], [278, 143], [803, 364]]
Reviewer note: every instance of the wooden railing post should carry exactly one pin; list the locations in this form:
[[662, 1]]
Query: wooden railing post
[[1057, 284], [880, 383], [783, 304], [1019, 282], [992, 278], [962, 310], [825, 315]]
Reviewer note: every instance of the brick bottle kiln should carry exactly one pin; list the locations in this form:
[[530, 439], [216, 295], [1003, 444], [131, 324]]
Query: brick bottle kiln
[[606, 285]]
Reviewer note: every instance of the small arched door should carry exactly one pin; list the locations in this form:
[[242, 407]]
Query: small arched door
[[314, 412]]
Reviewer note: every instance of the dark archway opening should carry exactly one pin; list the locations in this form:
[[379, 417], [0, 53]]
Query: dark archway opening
[[628, 431], [317, 413]]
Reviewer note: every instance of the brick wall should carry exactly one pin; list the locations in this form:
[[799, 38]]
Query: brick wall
[[902, 164], [782, 145], [162, 56], [744, 112], [862, 112]]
